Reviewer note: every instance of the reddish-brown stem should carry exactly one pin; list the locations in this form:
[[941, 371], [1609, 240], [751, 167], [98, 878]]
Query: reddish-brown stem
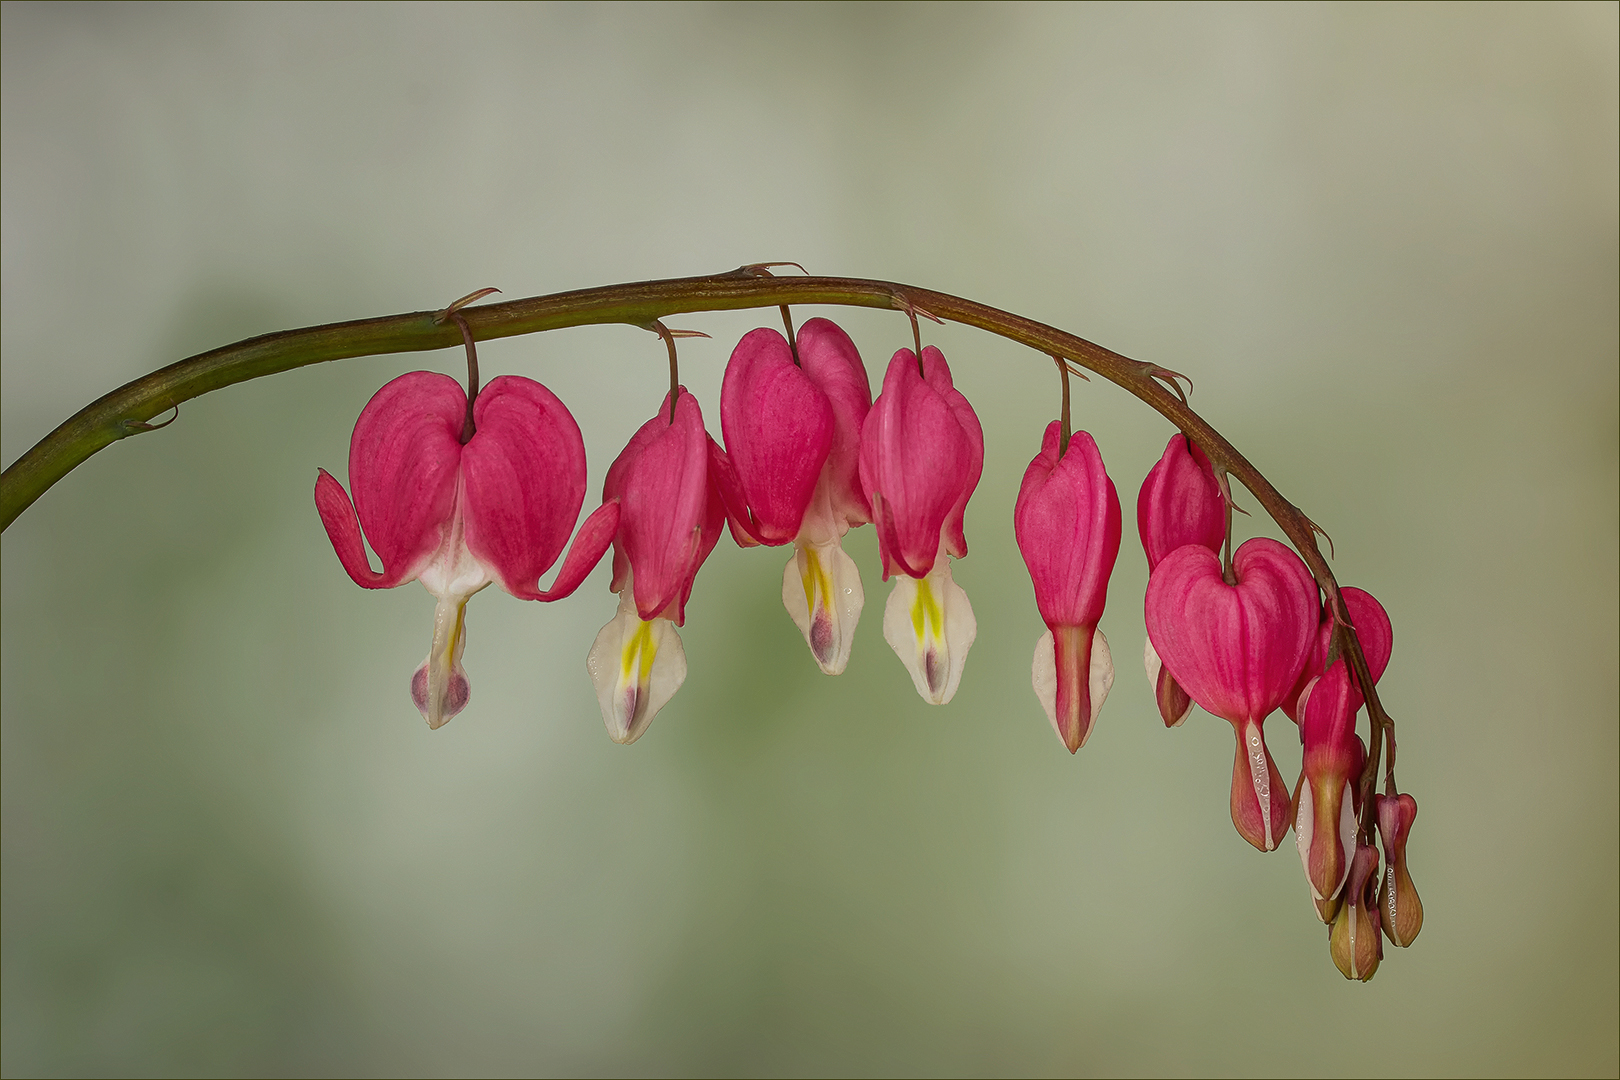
[[1064, 431], [113, 417]]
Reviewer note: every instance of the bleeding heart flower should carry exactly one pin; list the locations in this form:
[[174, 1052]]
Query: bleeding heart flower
[[1237, 650], [793, 440], [670, 519], [457, 517], [1373, 630], [1067, 523], [1354, 938], [1180, 503], [922, 451], [1326, 798], [1400, 910]]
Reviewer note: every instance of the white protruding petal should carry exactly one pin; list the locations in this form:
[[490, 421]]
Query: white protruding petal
[[636, 667], [821, 589], [439, 687], [1043, 676], [1347, 834], [929, 624], [1259, 776], [1102, 673], [1304, 833]]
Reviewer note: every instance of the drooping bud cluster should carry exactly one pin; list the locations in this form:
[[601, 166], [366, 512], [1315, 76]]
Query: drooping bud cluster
[[459, 498]]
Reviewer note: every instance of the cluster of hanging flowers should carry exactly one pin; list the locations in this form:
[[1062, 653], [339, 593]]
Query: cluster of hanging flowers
[[459, 490]]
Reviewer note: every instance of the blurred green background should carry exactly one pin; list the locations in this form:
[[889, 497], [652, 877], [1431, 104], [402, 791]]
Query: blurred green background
[[1382, 241]]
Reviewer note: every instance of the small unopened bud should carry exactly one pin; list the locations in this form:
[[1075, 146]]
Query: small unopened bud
[[1355, 939], [1398, 905]]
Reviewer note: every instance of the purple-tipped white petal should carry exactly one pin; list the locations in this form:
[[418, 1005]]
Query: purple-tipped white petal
[[821, 589], [929, 624], [636, 667], [1099, 680], [439, 687]]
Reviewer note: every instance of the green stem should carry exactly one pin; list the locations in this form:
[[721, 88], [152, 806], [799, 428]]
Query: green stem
[[125, 411]]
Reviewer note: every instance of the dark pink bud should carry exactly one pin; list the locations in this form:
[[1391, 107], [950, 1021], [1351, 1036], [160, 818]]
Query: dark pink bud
[[1354, 938], [1400, 910], [1067, 522], [1237, 650], [1373, 630], [1180, 502], [921, 454], [1325, 803]]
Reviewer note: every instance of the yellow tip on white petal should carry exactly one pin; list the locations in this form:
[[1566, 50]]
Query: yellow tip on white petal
[[821, 589], [929, 624], [636, 668]]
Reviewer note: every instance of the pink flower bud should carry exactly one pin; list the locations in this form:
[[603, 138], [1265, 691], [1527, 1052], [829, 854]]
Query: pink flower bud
[[1180, 502], [1354, 940], [1067, 523], [1237, 650], [1325, 803], [1398, 905]]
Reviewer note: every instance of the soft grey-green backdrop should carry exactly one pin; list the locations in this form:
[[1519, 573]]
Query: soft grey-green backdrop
[[1382, 240]]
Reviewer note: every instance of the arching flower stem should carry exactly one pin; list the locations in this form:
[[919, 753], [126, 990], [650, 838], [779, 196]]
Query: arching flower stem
[[119, 414]]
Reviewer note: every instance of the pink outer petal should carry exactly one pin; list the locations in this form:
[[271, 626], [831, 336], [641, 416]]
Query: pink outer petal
[[938, 375], [1373, 630], [524, 472], [915, 462], [404, 457], [1067, 523], [728, 489], [590, 543], [831, 361], [664, 496], [778, 427], [714, 519], [1236, 650], [1180, 502]]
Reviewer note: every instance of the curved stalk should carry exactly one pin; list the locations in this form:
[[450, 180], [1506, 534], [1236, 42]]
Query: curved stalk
[[128, 410]]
